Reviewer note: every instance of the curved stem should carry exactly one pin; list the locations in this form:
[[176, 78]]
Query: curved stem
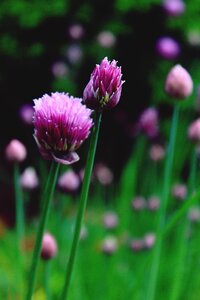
[[46, 199], [82, 205]]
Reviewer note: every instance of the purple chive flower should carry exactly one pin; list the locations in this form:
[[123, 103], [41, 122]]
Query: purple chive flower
[[61, 123], [104, 89], [15, 151], [106, 39], [174, 8], [26, 113], [49, 246], [69, 181], [194, 131], [178, 83], [148, 122], [168, 48]]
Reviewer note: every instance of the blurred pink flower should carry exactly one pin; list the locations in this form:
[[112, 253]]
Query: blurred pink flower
[[74, 53], [194, 131], [173, 7], [76, 31], [156, 152], [106, 39], [26, 113], [29, 179], [148, 122], [153, 203], [137, 245], [110, 220], [49, 246], [167, 47], [179, 191], [149, 240], [178, 84], [139, 203], [59, 69], [109, 245], [69, 181], [15, 151], [103, 174]]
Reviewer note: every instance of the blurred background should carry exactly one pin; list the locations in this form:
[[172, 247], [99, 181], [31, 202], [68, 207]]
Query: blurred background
[[54, 47]]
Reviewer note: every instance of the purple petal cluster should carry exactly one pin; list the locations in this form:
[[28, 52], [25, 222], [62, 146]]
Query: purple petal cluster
[[104, 89], [61, 124]]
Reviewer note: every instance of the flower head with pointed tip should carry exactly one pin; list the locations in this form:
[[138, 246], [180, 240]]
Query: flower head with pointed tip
[[103, 91], [61, 124]]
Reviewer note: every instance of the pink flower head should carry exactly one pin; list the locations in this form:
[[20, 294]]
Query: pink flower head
[[109, 245], [106, 39], [29, 179], [174, 7], [103, 91], [179, 191], [26, 113], [110, 220], [194, 131], [15, 151], [61, 123], [168, 48], [49, 246], [156, 152], [178, 83], [69, 181], [148, 122]]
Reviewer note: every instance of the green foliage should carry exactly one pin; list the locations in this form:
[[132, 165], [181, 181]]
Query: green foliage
[[127, 5], [31, 13]]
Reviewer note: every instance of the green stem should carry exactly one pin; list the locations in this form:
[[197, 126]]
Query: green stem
[[19, 213], [46, 199], [182, 245], [162, 213], [47, 269], [19, 209], [82, 204]]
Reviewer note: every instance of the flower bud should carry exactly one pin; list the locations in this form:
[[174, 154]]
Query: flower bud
[[15, 151], [148, 122], [69, 181], [137, 245], [49, 247], [109, 245], [103, 91], [156, 152], [110, 220], [194, 131], [168, 48], [179, 191], [29, 179], [179, 83], [139, 203], [153, 203], [103, 174], [26, 114], [149, 240], [174, 7], [106, 39]]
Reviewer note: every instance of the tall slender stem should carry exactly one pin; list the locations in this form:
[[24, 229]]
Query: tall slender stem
[[82, 204], [19, 208], [47, 269], [162, 213], [19, 216], [46, 199]]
